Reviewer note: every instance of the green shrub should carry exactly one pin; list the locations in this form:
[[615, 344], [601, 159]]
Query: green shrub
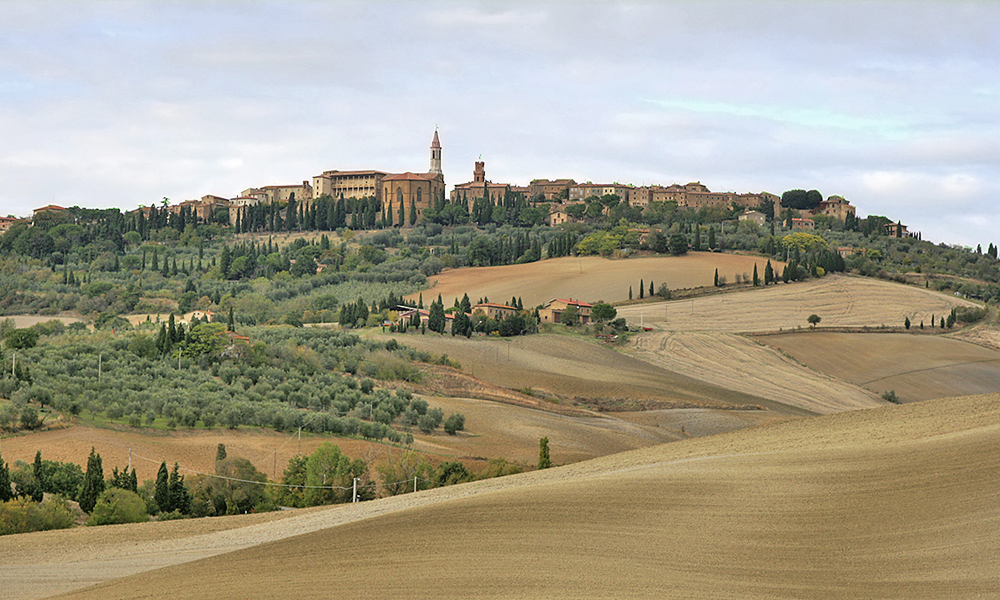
[[116, 505], [25, 516]]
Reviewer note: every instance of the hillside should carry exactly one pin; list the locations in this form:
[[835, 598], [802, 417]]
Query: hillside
[[895, 502], [916, 367], [588, 278]]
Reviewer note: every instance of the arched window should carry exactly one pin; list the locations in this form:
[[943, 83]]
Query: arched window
[[420, 195], [399, 195]]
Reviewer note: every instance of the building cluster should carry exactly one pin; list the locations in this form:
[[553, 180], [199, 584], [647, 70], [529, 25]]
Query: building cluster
[[407, 195]]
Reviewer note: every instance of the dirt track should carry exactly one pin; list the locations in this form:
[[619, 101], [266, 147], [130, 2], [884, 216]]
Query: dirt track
[[896, 502]]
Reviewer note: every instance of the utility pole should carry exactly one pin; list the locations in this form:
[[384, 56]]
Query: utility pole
[[355, 496], [414, 484]]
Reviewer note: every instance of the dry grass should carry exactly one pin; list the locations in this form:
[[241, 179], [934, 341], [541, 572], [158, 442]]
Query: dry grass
[[589, 278], [571, 367], [840, 300], [917, 367], [896, 502]]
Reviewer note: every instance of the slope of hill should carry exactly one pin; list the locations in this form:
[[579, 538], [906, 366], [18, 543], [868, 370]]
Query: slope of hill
[[588, 278], [840, 300], [895, 502], [916, 367]]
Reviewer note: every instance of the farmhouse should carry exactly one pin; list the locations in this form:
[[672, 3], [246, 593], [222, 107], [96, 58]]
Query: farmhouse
[[803, 224], [836, 207], [6, 223], [493, 310], [552, 311], [754, 216]]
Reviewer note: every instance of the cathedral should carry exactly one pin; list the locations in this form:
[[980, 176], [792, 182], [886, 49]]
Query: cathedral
[[406, 195]]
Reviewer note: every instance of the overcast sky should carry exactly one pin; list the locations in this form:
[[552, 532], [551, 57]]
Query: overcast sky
[[893, 105]]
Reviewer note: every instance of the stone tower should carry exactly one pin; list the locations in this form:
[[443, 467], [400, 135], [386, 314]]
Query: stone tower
[[479, 175], [436, 155]]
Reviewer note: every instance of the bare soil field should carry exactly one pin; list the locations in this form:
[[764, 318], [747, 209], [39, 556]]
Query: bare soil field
[[696, 337], [21, 321], [839, 300], [916, 367], [569, 367], [737, 363], [590, 278], [895, 502]]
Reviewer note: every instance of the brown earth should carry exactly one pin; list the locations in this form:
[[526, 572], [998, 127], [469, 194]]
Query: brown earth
[[895, 502], [738, 363], [839, 300], [570, 368], [696, 337], [587, 278], [916, 367]]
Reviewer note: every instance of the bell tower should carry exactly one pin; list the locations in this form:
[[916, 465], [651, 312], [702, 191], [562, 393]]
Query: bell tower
[[436, 155]]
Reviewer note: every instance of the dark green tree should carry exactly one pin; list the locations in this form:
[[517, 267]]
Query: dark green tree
[[756, 278], [906, 323], [544, 461], [93, 482], [161, 491], [5, 492], [180, 498], [642, 289], [436, 320]]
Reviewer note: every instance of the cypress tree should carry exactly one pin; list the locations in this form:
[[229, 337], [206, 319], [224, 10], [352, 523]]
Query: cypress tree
[[768, 273], [642, 289], [93, 482], [162, 490], [544, 461], [36, 469], [180, 498], [717, 278], [5, 491], [756, 278]]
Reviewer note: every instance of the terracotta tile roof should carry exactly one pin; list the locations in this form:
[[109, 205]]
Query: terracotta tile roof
[[573, 302], [410, 177]]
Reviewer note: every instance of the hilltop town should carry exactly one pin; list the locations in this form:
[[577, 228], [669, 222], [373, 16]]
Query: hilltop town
[[376, 198]]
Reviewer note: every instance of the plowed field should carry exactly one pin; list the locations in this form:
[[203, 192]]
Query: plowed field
[[916, 367], [839, 300], [899, 502], [589, 278]]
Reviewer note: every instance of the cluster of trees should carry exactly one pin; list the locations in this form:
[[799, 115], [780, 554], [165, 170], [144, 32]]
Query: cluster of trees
[[283, 378]]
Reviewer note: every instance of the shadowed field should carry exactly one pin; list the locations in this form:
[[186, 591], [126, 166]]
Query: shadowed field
[[895, 502], [916, 367]]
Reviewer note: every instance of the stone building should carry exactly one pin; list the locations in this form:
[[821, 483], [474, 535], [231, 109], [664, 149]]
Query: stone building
[[410, 194], [349, 184]]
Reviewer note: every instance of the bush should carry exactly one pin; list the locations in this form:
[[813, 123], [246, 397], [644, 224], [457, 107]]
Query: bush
[[115, 506], [24, 516], [454, 423]]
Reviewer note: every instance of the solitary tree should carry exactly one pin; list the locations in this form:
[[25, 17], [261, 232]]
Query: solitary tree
[[906, 322], [642, 289], [813, 320], [544, 462]]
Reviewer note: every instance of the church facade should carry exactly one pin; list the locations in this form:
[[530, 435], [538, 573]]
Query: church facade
[[406, 196]]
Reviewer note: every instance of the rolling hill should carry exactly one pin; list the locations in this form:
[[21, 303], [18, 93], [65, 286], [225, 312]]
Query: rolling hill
[[893, 502]]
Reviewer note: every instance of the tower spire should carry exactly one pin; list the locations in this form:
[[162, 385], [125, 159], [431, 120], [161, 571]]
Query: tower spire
[[436, 154]]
